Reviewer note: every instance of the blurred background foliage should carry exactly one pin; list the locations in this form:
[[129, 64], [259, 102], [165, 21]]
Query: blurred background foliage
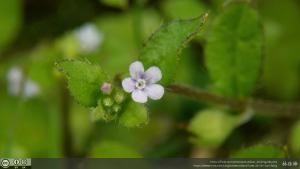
[[40, 119]]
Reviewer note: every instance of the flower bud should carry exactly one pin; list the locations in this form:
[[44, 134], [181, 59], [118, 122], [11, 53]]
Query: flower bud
[[108, 102], [106, 88], [119, 97]]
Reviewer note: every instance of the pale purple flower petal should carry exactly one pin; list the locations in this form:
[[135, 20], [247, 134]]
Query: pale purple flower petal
[[128, 85], [139, 96], [153, 74], [141, 83], [136, 69], [155, 91]]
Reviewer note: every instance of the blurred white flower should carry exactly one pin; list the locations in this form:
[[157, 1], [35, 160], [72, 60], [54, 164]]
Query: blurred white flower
[[142, 84], [89, 37], [31, 89], [14, 77], [18, 84]]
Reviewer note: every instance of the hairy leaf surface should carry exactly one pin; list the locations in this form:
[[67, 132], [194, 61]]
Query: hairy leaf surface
[[234, 51], [164, 46], [84, 81]]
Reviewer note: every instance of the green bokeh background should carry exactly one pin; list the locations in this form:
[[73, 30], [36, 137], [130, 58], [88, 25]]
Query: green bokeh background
[[34, 34]]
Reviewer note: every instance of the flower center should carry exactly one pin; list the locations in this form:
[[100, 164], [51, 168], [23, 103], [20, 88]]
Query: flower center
[[140, 84]]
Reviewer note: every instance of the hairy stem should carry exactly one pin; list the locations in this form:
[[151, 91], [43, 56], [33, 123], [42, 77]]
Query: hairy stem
[[259, 106]]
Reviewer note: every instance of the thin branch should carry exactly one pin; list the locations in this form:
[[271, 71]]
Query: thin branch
[[264, 107]]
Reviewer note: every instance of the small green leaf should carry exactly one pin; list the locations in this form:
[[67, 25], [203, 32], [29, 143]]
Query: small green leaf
[[234, 51], [84, 81], [115, 3], [164, 46], [113, 149], [10, 17], [295, 138], [134, 115], [212, 126], [260, 151]]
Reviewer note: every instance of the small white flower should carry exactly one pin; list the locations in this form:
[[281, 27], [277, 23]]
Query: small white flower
[[142, 83], [18, 84], [89, 37], [31, 89], [14, 78]]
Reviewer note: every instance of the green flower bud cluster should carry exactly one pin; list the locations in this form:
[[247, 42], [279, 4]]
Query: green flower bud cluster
[[109, 105]]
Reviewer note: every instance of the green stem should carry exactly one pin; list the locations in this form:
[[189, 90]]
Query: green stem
[[66, 126], [259, 106]]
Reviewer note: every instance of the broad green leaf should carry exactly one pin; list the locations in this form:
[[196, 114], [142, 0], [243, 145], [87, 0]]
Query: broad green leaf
[[295, 138], [211, 127], [234, 51], [84, 81], [134, 115], [115, 3], [182, 9], [151, 20], [113, 149], [260, 151], [10, 17], [164, 46]]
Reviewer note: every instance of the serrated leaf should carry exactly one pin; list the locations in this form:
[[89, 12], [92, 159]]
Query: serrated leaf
[[295, 138], [113, 149], [260, 151], [10, 17], [234, 51], [134, 115], [211, 127], [84, 81], [164, 46]]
